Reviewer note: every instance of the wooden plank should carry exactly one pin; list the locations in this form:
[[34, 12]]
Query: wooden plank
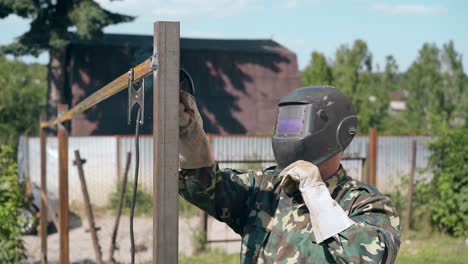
[[44, 203], [117, 85], [166, 140], [409, 209], [62, 136], [372, 157], [89, 210]]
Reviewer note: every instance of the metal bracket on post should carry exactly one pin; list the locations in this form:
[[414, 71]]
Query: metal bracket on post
[[155, 61], [135, 97]]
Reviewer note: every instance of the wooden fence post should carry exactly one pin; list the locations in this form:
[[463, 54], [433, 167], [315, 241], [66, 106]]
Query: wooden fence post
[[372, 159], [62, 138], [44, 206], [89, 210], [409, 209], [166, 142]]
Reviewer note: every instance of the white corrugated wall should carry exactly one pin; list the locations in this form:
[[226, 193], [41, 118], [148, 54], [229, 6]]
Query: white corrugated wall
[[104, 154]]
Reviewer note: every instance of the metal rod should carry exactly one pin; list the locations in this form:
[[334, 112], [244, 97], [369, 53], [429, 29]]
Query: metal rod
[[62, 137], [166, 143], [89, 210], [224, 240], [43, 223], [139, 72], [119, 208], [203, 227], [372, 156], [409, 209]]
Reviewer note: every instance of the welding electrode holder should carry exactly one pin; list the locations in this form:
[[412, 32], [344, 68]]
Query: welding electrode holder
[[135, 96]]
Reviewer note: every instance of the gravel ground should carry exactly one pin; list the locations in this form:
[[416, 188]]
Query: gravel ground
[[81, 247]]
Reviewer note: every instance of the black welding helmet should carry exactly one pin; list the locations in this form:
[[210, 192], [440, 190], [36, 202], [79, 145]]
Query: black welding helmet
[[314, 123]]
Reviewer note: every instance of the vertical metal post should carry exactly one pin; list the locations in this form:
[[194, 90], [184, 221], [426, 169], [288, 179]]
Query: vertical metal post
[[62, 138], [409, 209], [166, 142], [44, 206], [203, 227], [89, 210], [372, 159], [117, 156]]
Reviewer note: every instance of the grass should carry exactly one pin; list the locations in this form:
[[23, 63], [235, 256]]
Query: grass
[[435, 248], [211, 257], [416, 248]]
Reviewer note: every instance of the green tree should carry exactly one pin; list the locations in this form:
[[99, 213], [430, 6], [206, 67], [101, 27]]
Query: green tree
[[436, 82], [318, 72], [352, 73], [23, 89], [349, 64], [424, 83], [454, 102], [50, 22]]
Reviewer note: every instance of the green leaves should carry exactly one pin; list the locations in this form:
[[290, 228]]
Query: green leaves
[[51, 21], [318, 72], [23, 89], [449, 163], [433, 88], [12, 201], [89, 18]]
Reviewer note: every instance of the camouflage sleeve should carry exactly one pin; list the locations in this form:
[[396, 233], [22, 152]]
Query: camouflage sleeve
[[226, 194], [374, 238]]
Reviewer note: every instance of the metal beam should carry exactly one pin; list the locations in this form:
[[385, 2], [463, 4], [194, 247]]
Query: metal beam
[[166, 140], [372, 157], [409, 207], [62, 137], [139, 72], [44, 208]]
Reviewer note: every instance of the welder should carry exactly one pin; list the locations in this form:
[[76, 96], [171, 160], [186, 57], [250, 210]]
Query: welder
[[304, 210]]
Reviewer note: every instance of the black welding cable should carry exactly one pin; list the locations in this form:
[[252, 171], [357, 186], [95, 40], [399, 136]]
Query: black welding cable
[[135, 183]]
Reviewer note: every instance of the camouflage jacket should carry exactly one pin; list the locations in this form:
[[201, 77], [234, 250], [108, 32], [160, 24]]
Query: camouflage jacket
[[276, 228]]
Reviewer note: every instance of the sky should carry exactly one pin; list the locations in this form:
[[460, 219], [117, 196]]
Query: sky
[[389, 27]]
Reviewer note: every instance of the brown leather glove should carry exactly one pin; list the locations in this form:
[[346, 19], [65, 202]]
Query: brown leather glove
[[194, 151]]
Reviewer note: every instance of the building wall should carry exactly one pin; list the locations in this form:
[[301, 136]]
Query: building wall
[[237, 87]]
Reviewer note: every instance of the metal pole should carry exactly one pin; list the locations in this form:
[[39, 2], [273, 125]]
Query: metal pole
[[119, 208], [203, 227], [62, 137], [409, 209], [43, 212], [372, 156], [89, 210], [117, 156], [166, 142]]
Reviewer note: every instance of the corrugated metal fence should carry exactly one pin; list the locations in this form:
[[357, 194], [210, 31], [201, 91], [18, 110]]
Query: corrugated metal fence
[[106, 156]]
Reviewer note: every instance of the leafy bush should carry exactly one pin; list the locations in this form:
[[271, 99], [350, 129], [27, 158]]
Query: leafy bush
[[11, 203], [449, 187], [143, 205], [420, 219], [144, 202]]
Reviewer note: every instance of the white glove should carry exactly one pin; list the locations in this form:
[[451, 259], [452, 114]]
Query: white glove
[[194, 151], [326, 215]]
